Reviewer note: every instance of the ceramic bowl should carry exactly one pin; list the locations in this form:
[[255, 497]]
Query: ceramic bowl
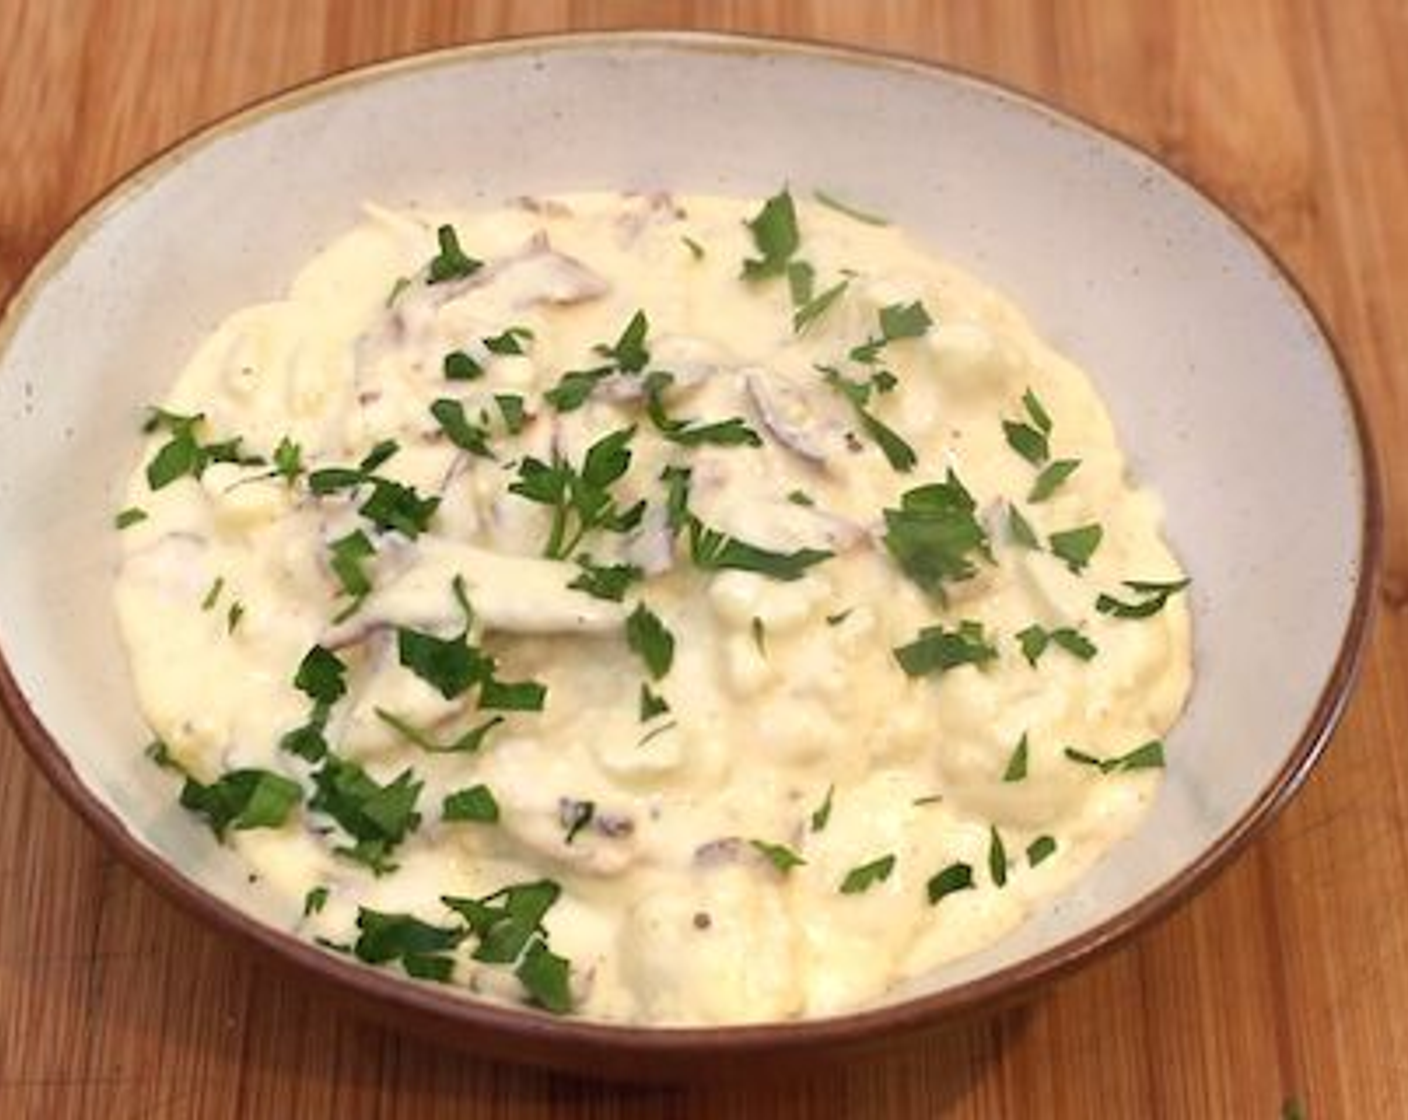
[[1225, 391]]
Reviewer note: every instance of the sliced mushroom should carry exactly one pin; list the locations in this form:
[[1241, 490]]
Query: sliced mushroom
[[538, 273], [786, 412], [644, 210], [652, 548]]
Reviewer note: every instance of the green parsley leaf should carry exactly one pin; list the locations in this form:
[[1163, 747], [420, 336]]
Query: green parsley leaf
[[581, 501], [394, 506], [183, 454], [1153, 597], [307, 742], [574, 387], [475, 804], [544, 976], [779, 855], [713, 550], [451, 263], [647, 636], [233, 616], [696, 250], [213, 595], [401, 284], [511, 409], [467, 743], [1037, 412], [346, 557], [1017, 765], [420, 947], [321, 676], [1026, 441], [512, 696], [629, 352], [1040, 850], [1150, 756], [1020, 531], [314, 901], [997, 857], [505, 920], [760, 636], [839, 617], [378, 817], [775, 236], [130, 516], [954, 877], [693, 433], [288, 460], [856, 214], [937, 650], [651, 704], [242, 799], [509, 342], [935, 534], [1052, 476], [801, 498], [449, 414], [449, 665], [160, 754], [904, 320], [459, 366], [821, 815], [1076, 546], [899, 454], [605, 581], [801, 282], [1035, 639], [860, 879]]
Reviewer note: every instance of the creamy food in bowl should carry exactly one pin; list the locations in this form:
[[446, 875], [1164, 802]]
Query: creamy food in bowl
[[656, 608]]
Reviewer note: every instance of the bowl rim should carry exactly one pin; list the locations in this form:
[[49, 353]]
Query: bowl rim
[[538, 1033]]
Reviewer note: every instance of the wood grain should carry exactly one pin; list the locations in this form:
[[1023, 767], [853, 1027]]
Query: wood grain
[[1288, 978]]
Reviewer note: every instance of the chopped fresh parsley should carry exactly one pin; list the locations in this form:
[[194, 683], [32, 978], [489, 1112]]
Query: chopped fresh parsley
[[937, 650], [629, 352], [475, 804], [394, 506], [449, 665], [1040, 850], [512, 696], [775, 236], [652, 704], [160, 754], [401, 284], [512, 411], [242, 799], [839, 617], [801, 498], [130, 516], [897, 321], [954, 877], [329, 480], [760, 636], [814, 307], [860, 879], [507, 919], [1035, 639], [1051, 477], [467, 743], [1016, 770], [1150, 756], [1076, 546], [346, 557], [421, 948], [647, 636], [821, 815], [801, 282], [779, 855], [459, 366], [321, 676], [307, 741], [314, 901], [1030, 438], [1019, 530], [997, 857], [581, 500], [183, 454], [233, 616], [449, 414], [451, 263], [696, 250], [1152, 598], [288, 460], [692, 433], [935, 535], [899, 454], [605, 581], [378, 817], [852, 212], [545, 977], [575, 386], [509, 342], [213, 595], [712, 550]]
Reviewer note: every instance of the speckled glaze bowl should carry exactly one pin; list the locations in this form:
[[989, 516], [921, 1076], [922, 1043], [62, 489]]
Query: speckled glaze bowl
[[1225, 391]]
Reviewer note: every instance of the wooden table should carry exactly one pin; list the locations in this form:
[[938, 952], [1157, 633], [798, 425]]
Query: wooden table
[[1287, 980]]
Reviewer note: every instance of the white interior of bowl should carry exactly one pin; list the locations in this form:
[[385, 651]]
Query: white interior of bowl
[[1222, 389]]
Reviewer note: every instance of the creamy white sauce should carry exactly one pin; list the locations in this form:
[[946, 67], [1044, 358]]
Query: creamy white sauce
[[668, 914]]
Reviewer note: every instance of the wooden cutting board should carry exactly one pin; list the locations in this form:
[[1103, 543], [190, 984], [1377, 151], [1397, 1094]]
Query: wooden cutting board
[[1286, 981]]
